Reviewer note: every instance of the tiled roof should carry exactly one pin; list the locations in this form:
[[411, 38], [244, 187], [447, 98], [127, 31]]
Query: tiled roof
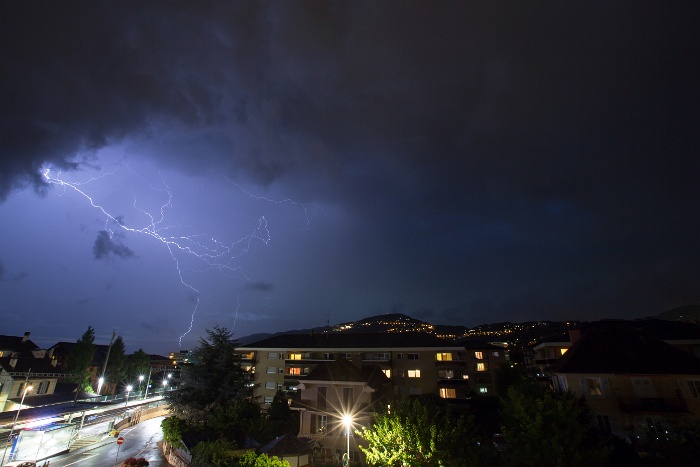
[[36, 365], [15, 344], [344, 370], [286, 445], [618, 348], [350, 341], [473, 344]]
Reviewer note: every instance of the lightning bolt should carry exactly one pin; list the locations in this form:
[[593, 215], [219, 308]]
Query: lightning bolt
[[214, 253]]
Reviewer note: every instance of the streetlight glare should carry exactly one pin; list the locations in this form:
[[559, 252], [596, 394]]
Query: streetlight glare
[[347, 419], [129, 388]]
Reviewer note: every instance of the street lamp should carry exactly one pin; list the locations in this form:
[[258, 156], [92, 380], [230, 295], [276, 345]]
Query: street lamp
[[14, 422], [128, 390], [141, 378], [148, 382], [165, 385], [347, 421]]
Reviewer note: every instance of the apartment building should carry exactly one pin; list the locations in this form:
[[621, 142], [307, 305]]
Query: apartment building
[[335, 398], [636, 385], [27, 378], [484, 361], [414, 362]]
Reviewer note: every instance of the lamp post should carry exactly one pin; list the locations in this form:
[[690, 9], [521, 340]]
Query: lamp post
[[14, 422], [165, 385], [141, 378], [128, 390], [148, 382], [347, 421], [104, 367]]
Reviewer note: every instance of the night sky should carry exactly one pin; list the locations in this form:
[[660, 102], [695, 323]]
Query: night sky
[[265, 166]]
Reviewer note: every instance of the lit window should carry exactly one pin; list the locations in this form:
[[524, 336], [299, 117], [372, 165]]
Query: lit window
[[446, 374], [295, 356], [593, 387], [479, 355], [270, 385], [414, 373], [269, 399], [447, 393], [563, 351], [321, 423], [295, 371], [271, 369], [483, 390], [481, 366], [444, 356], [272, 355], [387, 372], [495, 353]]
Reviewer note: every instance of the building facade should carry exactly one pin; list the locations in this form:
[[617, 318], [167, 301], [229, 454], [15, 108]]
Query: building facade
[[414, 363]]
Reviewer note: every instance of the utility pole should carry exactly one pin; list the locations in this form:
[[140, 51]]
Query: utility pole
[[104, 367]]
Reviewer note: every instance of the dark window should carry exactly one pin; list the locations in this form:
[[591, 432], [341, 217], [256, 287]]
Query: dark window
[[321, 400]]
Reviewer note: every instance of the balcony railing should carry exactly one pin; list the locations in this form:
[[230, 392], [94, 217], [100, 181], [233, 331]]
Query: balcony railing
[[652, 404]]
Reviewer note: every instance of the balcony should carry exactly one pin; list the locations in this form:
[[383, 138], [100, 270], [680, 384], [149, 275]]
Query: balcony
[[652, 405], [450, 363]]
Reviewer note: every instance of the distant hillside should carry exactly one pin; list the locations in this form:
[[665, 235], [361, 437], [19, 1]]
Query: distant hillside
[[519, 335], [689, 313]]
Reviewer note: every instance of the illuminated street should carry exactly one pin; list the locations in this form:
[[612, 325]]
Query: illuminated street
[[142, 440]]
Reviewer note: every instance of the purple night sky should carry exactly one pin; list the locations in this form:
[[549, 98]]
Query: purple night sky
[[268, 166]]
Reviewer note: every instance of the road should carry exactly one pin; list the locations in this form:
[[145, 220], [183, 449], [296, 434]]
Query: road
[[142, 440]]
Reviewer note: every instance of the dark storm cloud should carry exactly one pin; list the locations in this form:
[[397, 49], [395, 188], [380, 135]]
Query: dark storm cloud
[[106, 246], [499, 146]]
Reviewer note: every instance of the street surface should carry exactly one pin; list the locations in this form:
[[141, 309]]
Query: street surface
[[142, 440]]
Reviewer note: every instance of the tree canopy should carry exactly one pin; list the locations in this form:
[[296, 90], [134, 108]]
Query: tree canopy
[[544, 427], [80, 359], [422, 432], [214, 380], [116, 364]]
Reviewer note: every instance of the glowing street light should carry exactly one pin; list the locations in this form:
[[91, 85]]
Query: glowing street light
[[347, 422], [128, 390], [165, 385], [14, 422]]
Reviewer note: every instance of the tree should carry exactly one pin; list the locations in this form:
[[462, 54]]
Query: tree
[[422, 432], [544, 427], [137, 364], [250, 459], [173, 429], [116, 364], [281, 419], [220, 453], [213, 380], [80, 359]]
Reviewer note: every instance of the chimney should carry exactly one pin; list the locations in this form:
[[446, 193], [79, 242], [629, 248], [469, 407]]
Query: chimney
[[26, 337], [574, 335], [13, 362]]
